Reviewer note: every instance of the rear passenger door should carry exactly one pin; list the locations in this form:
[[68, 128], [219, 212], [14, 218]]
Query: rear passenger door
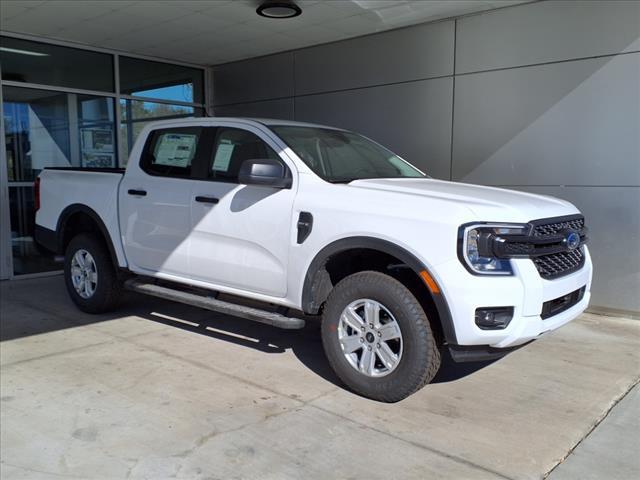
[[241, 233], [155, 201]]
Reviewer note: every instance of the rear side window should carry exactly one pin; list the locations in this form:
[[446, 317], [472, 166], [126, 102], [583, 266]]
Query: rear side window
[[171, 152], [233, 146]]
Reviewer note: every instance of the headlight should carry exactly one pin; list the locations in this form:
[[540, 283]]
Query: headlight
[[475, 247]]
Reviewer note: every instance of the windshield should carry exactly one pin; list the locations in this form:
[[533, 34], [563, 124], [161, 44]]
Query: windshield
[[338, 156]]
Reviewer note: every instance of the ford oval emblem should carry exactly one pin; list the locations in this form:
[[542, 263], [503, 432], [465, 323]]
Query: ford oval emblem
[[572, 240]]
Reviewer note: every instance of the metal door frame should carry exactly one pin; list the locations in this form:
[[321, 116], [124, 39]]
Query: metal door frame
[[6, 257]]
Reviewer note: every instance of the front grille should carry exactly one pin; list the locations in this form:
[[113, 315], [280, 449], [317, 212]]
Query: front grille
[[548, 234], [554, 245], [553, 228], [518, 248], [559, 264]]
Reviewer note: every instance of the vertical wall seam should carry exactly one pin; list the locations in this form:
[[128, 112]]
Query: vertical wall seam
[[293, 75], [453, 96]]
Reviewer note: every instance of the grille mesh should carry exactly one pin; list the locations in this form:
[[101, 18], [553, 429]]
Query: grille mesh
[[553, 228], [559, 264], [518, 248]]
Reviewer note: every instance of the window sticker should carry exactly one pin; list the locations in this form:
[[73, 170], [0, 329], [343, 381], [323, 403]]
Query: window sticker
[[223, 157], [176, 149]]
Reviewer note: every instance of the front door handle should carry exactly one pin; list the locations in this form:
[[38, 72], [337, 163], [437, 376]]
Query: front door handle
[[211, 200], [139, 193]]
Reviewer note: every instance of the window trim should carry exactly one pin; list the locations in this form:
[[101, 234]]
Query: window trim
[[201, 148], [208, 160]]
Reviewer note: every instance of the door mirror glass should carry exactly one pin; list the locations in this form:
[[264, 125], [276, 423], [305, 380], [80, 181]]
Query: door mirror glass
[[267, 172]]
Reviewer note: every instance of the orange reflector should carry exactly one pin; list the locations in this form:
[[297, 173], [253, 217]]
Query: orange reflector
[[431, 283]]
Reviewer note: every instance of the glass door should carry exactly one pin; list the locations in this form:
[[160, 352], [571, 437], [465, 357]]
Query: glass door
[[48, 129]]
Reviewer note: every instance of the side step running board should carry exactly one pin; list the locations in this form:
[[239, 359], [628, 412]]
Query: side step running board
[[209, 303]]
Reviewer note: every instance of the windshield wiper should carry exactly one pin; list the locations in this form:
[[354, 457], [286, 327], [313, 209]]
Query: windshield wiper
[[342, 180]]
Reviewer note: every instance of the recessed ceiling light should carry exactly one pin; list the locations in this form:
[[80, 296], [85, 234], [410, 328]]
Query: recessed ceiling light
[[279, 10]]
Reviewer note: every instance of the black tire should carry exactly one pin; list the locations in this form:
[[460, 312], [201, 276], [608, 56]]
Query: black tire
[[108, 289], [420, 359]]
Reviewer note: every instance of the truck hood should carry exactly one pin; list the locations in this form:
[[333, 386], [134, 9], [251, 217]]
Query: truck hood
[[486, 203]]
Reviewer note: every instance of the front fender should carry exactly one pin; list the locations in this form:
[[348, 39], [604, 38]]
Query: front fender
[[317, 283]]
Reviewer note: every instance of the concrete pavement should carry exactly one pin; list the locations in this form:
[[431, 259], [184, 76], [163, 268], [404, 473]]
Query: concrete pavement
[[160, 390], [612, 450]]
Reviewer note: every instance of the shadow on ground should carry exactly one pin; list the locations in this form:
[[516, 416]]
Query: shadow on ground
[[451, 371], [305, 344]]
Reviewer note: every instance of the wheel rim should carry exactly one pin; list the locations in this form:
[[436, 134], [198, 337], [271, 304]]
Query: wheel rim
[[84, 274], [370, 338]]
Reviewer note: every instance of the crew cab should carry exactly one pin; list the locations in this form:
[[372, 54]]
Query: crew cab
[[282, 222]]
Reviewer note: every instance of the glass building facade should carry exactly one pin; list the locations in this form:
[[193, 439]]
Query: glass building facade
[[67, 106]]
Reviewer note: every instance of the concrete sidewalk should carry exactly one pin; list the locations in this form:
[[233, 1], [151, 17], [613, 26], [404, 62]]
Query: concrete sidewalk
[[159, 390], [612, 450]]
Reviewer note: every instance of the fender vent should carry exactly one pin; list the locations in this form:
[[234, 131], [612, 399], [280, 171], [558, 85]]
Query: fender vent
[[305, 225]]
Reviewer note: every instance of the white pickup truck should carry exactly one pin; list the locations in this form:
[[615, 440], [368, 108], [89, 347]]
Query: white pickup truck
[[307, 221]]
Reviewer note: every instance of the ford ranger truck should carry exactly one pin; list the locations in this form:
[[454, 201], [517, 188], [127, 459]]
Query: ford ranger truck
[[282, 222]]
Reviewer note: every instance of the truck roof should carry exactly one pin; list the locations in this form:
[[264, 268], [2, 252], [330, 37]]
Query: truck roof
[[263, 121]]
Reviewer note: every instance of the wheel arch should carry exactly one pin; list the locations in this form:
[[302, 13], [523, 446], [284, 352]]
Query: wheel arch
[[317, 281], [78, 218]]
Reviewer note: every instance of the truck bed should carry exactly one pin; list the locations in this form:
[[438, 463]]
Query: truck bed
[[93, 191]]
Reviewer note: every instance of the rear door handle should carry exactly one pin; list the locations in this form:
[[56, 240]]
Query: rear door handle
[[139, 193], [211, 200]]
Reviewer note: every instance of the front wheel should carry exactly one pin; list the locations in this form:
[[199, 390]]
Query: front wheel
[[90, 276], [377, 337]]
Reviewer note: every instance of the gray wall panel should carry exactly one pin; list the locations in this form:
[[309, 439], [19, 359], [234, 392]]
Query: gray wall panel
[[282, 108], [546, 31], [571, 123], [250, 80], [412, 119], [377, 59], [613, 217]]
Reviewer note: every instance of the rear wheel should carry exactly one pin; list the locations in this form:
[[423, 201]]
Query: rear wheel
[[90, 276], [377, 337]]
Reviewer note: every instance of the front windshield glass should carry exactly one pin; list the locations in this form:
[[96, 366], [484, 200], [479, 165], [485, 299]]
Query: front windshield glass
[[339, 156]]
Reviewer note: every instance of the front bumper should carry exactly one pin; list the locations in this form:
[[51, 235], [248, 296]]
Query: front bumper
[[526, 291]]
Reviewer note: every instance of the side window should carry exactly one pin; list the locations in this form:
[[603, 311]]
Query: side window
[[233, 146], [171, 152]]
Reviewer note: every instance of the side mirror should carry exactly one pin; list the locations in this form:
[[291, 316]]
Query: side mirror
[[266, 172]]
